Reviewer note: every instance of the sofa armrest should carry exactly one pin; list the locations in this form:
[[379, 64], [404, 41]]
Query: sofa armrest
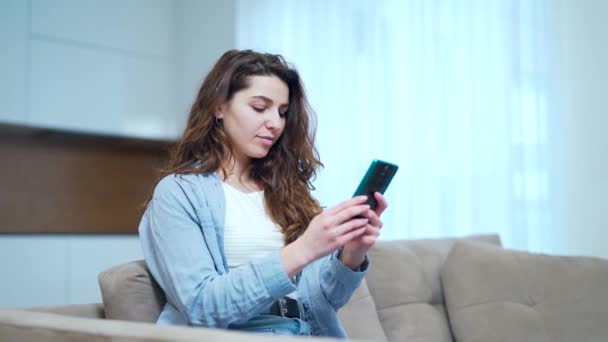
[[20, 325], [94, 310]]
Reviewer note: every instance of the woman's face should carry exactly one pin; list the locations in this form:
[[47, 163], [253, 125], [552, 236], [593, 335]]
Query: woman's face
[[254, 118]]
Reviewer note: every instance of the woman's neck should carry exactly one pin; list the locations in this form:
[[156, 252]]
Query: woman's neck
[[238, 174]]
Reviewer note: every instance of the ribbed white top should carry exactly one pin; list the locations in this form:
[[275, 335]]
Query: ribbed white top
[[249, 232]]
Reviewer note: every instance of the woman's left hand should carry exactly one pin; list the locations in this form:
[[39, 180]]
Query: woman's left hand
[[354, 251]]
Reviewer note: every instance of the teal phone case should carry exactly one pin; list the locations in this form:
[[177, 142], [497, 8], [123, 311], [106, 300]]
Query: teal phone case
[[377, 178]]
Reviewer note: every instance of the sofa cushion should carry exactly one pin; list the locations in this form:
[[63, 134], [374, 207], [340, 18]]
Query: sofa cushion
[[130, 293], [494, 294], [360, 318], [404, 281]]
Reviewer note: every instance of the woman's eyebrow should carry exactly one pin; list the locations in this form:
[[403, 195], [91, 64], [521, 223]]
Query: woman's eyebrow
[[269, 100]]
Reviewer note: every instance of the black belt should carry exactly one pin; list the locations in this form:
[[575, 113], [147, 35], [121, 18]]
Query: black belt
[[286, 307]]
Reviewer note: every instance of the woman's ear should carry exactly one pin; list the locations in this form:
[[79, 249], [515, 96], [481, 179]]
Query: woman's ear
[[219, 112]]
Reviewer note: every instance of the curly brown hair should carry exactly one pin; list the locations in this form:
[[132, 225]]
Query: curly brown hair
[[285, 173]]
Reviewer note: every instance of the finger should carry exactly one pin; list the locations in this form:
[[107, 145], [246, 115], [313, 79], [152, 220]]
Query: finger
[[382, 203], [375, 231], [370, 236], [369, 240], [348, 213], [344, 239], [374, 220], [348, 203], [371, 230], [347, 226]]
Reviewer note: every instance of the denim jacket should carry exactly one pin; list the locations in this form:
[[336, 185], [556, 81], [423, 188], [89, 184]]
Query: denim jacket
[[181, 233]]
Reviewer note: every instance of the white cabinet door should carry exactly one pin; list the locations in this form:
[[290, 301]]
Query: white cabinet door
[[103, 67], [99, 91], [204, 31], [140, 27], [13, 61], [114, 67]]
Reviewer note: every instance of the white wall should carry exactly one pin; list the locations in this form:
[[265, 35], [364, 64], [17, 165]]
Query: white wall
[[59, 269], [118, 67], [582, 133]]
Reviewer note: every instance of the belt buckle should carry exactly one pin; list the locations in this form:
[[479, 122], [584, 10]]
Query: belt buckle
[[283, 306], [284, 310]]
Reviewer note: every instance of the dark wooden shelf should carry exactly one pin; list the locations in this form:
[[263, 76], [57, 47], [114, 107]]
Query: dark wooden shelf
[[65, 182]]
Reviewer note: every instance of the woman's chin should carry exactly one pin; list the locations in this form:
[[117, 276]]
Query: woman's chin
[[258, 154]]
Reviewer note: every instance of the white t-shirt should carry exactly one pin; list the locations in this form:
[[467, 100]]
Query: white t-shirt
[[249, 232]]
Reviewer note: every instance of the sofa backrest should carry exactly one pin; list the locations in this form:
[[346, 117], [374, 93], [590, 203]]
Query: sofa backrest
[[360, 317], [401, 298], [405, 284], [496, 294]]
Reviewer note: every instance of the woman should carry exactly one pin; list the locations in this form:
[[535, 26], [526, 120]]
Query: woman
[[232, 234]]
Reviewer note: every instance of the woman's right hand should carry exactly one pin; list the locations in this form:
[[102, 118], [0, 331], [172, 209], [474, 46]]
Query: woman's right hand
[[328, 231]]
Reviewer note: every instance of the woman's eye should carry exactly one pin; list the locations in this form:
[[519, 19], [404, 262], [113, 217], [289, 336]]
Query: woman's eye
[[284, 114], [258, 109]]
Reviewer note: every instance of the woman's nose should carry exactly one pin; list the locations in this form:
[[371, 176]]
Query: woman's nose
[[273, 119]]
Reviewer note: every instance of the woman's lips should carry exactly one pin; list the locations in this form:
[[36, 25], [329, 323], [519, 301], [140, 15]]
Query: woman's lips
[[267, 141]]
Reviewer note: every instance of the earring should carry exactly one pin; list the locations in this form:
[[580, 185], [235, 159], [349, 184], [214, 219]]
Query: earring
[[218, 122]]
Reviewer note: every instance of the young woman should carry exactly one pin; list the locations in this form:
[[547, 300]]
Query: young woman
[[232, 234]]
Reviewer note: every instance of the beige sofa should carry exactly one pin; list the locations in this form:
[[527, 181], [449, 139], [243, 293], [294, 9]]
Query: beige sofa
[[465, 289]]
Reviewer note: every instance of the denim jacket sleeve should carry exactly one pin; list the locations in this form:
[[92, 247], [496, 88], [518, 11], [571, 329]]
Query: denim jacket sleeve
[[176, 250], [338, 282]]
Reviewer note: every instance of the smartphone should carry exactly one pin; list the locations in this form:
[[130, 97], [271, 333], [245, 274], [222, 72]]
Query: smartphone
[[377, 178]]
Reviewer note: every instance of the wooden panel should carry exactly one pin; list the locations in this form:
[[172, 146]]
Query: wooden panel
[[54, 182]]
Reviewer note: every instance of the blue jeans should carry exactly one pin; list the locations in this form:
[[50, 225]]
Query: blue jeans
[[274, 325]]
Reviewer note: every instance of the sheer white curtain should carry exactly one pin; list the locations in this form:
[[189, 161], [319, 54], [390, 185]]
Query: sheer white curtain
[[456, 93]]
